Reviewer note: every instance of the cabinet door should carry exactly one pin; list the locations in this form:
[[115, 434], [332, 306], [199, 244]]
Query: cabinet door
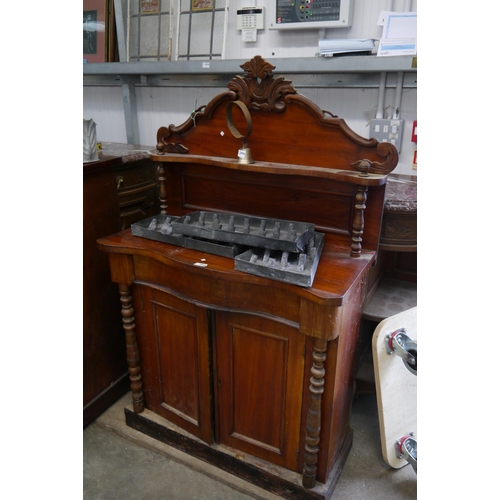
[[173, 341], [259, 378]]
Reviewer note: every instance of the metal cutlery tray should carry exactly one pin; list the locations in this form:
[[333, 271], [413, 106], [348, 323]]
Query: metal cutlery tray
[[276, 234], [160, 228], [291, 256]]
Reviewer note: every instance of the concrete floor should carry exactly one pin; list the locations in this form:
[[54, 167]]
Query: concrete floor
[[120, 463]]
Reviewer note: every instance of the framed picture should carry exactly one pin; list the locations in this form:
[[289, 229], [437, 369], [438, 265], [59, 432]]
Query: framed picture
[[202, 5], [98, 31], [150, 6]]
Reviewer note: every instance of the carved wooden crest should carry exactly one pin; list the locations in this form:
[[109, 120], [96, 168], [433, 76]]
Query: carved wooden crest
[[258, 89]]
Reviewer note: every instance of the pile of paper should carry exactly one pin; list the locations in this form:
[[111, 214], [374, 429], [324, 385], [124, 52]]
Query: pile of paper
[[399, 37], [345, 46]]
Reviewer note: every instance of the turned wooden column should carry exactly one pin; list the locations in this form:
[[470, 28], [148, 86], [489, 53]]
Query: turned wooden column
[[134, 367], [313, 425], [359, 221], [163, 189]]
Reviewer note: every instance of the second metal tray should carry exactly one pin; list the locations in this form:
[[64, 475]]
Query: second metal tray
[[296, 268]]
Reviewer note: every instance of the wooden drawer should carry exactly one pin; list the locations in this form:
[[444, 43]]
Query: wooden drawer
[[135, 174], [136, 183]]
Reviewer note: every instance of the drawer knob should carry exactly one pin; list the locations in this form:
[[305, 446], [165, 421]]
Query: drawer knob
[[119, 182]]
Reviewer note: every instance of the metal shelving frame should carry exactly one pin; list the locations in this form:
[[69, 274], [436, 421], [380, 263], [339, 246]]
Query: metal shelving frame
[[346, 71], [359, 71]]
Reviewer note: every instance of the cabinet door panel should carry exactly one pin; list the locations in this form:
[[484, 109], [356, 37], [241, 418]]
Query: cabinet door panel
[[260, 368], [174, 349]]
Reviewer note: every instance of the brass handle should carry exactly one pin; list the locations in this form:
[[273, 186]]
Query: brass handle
[[119, 182]]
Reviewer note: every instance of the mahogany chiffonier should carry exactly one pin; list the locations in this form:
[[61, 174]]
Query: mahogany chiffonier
[[251, 373]]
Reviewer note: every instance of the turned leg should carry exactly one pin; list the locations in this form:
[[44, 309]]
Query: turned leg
[[134, 367], [359, 221], [313, 426], [163, 189]]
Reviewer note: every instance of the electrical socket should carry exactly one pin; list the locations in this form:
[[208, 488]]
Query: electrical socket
[[387, 130]]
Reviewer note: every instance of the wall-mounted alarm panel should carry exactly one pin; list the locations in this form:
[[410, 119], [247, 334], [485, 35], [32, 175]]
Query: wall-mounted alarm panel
[[309, 14], [250, 18]]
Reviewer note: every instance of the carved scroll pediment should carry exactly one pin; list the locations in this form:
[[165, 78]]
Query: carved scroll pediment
[[258, 89], [276, 105], [163, 146], [384, 149]]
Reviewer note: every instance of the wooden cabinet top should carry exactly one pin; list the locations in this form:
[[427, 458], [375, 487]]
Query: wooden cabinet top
[[337, 270], [127, 152], [104, 162], [211, 281]]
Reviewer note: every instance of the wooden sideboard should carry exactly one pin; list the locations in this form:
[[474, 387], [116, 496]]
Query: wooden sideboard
[[118, 190], [104, 358], [254, 374]]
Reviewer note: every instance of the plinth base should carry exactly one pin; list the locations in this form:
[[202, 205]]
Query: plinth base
[[275, 479]]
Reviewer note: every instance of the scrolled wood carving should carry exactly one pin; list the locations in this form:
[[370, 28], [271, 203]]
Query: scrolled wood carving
[[168, 147], [258, 89], [385, 149]]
